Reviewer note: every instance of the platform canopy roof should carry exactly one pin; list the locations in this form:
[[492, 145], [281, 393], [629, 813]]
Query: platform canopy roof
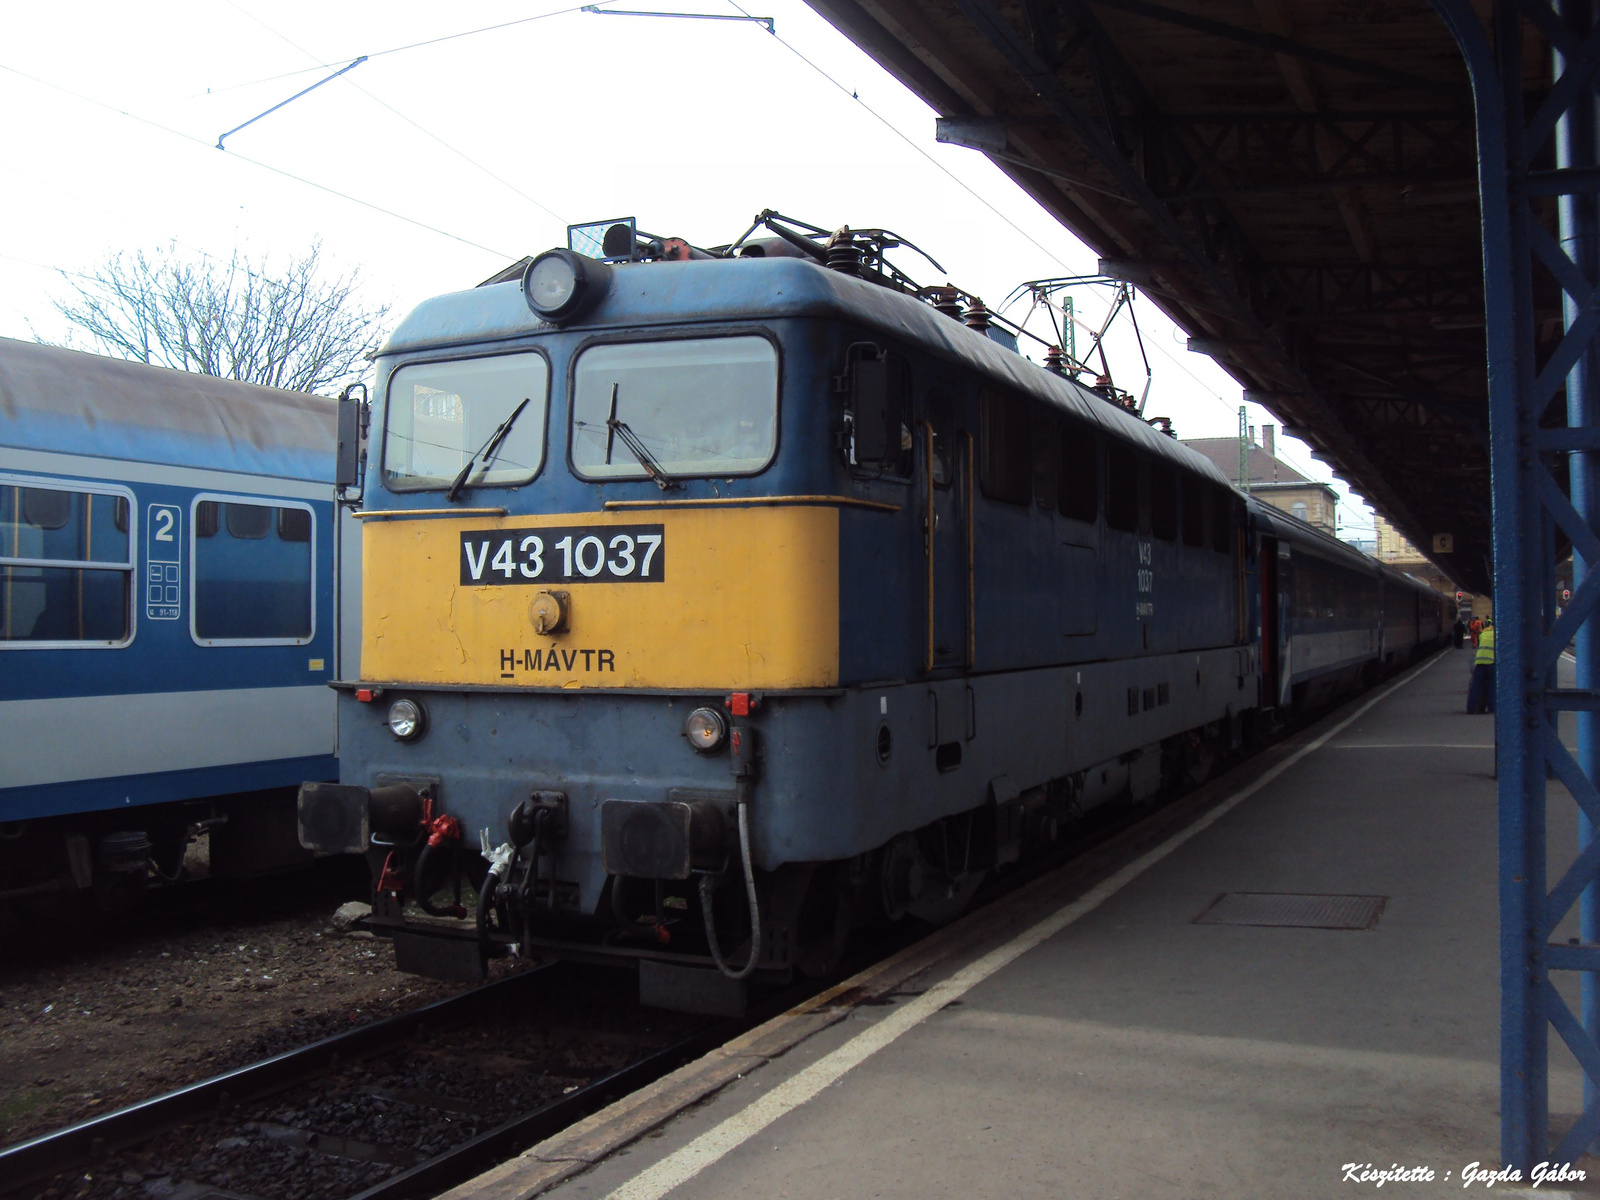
[[1292, 181]]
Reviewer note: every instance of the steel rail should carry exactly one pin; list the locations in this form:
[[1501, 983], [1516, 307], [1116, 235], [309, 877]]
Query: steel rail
[[494, 1146], [69, 1148]]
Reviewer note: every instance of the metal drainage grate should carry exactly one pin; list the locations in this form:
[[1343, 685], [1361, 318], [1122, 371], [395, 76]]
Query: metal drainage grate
[[1286, 909]]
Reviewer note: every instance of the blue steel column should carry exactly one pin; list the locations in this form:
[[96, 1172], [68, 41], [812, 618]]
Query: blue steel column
[[1527, 448], [1575, 149]]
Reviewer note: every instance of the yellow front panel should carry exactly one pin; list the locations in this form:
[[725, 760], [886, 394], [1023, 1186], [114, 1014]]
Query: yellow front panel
[[749, 600]]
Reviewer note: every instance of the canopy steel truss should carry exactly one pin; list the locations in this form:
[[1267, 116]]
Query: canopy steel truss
[[1528, 448]]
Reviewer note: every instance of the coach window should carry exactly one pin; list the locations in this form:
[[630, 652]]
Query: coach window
[[1194, 510], [252, 575], [1079, 494], [442, 413], [1163, 502], [700, 406], [1122, 488], [1005, 456], [66, 567]]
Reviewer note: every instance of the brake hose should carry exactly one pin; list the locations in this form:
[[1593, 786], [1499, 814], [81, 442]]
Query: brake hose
[[491, 884], [528, 895], [749, 967], [500, 860]]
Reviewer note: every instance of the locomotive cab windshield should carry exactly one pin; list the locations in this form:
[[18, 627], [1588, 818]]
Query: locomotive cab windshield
[[700, 406], [442, 414]]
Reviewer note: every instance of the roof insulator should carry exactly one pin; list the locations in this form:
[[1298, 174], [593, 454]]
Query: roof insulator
[[948, 301]]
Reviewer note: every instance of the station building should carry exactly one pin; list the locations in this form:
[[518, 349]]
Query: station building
[[1272, 479]]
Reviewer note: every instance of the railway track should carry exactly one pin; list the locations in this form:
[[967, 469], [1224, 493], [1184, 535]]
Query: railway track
[[406, 1107], [400, 1108]]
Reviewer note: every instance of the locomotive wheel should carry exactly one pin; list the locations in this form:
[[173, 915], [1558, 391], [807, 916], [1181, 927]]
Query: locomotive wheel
[[901, 876], [824, 923]]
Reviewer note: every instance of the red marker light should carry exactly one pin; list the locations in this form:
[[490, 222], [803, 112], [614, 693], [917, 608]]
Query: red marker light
[[365, 695], [739, 704]]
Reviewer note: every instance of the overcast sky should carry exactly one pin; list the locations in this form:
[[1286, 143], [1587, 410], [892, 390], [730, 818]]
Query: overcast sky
[[430, 168]]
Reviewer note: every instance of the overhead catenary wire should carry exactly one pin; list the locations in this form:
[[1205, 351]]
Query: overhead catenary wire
[[63, 272], [418, 126], [345, 70], [968, 188], [433, 41], [1205, 387], [912, 142], [201, 142]]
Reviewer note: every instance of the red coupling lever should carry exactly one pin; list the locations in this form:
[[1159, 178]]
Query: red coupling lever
[[443, 829]]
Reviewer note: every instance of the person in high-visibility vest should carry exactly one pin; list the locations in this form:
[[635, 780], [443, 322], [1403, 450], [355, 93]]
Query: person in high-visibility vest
[[1474, 627], [1480, 693]]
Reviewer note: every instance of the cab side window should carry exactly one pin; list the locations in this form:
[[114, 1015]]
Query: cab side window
[[881, 438]]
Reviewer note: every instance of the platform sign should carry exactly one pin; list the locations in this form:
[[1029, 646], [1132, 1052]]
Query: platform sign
[[163, 587]]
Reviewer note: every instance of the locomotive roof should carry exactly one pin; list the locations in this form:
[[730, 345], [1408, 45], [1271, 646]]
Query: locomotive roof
[[70, 402], [743, 289]]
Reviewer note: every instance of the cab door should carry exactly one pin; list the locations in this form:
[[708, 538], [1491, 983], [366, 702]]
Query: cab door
[[943, 482], [1274, 667]]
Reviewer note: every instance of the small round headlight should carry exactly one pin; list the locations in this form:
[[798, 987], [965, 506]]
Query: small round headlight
[[406, 720], [562, 283], [706, 728]]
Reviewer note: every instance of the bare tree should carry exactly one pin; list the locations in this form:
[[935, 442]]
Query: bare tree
[[290, 328]]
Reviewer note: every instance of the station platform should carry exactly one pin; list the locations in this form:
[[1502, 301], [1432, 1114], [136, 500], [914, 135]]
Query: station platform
[[1122, 1036]]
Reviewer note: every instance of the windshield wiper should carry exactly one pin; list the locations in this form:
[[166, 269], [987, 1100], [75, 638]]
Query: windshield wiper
[[620, 429], [485, 451]]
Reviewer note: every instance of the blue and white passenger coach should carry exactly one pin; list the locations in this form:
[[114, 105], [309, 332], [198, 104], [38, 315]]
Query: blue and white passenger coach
[[166, 618]]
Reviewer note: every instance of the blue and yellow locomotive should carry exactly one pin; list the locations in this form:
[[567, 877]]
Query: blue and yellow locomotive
[[716, 602]]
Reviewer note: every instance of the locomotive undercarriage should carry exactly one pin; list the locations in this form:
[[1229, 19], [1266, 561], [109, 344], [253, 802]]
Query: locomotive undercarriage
[[539, 878], [808, 911]]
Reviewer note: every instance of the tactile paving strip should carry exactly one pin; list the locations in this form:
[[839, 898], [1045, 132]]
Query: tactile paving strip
[[1289, 910]]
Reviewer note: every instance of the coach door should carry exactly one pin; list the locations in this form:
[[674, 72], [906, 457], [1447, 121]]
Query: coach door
[[944, 485], [1273, 644]]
